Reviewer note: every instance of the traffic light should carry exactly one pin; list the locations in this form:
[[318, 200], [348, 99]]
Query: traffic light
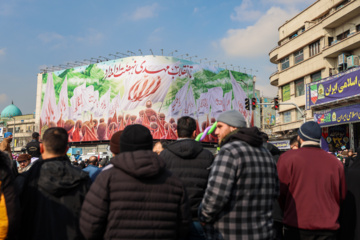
[[247, 104], [276, 103], [253, 103]]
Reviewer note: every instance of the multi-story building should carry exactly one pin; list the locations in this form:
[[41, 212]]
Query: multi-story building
[[21, 126], [313, 47]]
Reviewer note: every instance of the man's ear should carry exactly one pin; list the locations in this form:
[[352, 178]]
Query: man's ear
[[193, 136], [41, 148]]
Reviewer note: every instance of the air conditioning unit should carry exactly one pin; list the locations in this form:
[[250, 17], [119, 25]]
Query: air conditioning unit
[[352, 61], [342, 58]]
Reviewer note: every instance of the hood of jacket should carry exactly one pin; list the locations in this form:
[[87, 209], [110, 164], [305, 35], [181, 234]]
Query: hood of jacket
[[139, 164], [251, 136], [57, 176], [185, 148]]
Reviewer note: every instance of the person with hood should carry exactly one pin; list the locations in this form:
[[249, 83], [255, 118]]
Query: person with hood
[[312, 188], [52, 192], [9, 201], [242, 186], [189, 161], [135, 197]]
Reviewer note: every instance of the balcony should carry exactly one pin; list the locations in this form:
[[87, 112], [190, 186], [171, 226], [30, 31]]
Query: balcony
[[342, 15], [274, 55], [274, 78], [352, 42]]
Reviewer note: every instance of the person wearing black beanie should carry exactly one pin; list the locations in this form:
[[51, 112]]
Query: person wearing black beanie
[[135, 193]]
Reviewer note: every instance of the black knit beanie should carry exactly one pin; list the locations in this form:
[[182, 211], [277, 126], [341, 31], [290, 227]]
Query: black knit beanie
[[136, 137]]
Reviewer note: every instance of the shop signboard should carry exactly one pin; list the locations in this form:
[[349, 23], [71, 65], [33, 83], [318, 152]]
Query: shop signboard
[[338, 115], [92, 102], [281, 144], [1, 132], [333, 89]]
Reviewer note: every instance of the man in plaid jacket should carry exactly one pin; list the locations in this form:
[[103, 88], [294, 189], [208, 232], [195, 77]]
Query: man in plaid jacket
[[242, 186]]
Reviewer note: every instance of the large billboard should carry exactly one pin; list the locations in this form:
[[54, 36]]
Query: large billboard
[[92, 102]]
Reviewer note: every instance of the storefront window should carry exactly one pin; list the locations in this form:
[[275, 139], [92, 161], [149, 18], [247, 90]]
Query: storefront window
[[299, 87], [285, 92], [287, 116]]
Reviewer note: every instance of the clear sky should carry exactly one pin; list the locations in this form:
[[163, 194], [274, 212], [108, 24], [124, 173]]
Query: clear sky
[[40, 33]]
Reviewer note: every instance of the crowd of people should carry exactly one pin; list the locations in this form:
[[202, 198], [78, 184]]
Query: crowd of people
[[180, 190]]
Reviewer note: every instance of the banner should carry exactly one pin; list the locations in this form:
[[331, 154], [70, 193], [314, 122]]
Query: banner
[[281, 144], [92, 102], [338, 115], [333, 89]]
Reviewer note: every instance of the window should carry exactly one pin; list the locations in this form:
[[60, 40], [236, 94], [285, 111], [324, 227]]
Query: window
[[342, 35], [314, 48], [299, 56], [298, 114], [330, 40], [287, 116], [316, 76], [301, 30], [342, 4], [299, 87], [285, 92], [284, 63], [358, 28], [292, 36]]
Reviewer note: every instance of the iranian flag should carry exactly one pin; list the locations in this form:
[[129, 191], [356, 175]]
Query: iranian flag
[[314, 93]]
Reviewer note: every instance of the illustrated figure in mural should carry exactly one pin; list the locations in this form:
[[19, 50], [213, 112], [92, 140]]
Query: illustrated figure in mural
[[69, 127], [77, 134], [102, 131], [61, 122]]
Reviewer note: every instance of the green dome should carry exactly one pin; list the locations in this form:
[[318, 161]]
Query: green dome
[[11, 111]]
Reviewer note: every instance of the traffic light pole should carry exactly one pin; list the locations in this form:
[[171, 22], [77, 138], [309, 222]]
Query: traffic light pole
[[294, 104]]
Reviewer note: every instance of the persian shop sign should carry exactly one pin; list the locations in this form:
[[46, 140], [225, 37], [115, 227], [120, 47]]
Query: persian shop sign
[[281, 144], [338, 116], [332, 90]]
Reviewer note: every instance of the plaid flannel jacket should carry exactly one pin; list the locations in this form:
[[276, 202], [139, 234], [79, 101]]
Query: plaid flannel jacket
[[242, 186]]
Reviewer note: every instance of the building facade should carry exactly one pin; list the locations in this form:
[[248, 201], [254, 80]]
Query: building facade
[[313, 46]]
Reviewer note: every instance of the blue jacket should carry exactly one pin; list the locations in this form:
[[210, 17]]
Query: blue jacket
[[93, 171]]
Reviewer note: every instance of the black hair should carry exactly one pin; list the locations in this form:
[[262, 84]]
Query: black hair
[[294, 140], [55, 140], [185, 127]]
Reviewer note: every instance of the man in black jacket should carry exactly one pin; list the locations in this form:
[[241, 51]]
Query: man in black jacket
[[189, 161], [52, 192], [33, 147]]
